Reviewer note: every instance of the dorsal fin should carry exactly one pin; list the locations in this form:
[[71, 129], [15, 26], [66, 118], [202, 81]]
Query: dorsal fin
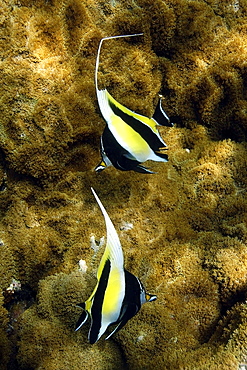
[[113, 248], [98, 53]]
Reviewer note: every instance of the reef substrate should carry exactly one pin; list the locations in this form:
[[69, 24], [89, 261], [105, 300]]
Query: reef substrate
[[183, 230]]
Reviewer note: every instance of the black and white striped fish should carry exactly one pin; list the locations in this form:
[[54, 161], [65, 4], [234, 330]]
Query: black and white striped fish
[[118, 295], [129, 138]]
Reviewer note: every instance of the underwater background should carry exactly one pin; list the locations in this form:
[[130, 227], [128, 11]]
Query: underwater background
[[183, 230]]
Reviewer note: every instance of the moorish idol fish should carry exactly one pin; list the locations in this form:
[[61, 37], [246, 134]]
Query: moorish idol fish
[[118, 295], [129, 138]]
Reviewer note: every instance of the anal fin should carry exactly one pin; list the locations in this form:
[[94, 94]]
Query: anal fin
[[82, 318]]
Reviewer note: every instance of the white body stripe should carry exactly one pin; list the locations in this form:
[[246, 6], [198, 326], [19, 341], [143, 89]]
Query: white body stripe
[[115, 290], [113, 246], [104, 106], [125, 135]]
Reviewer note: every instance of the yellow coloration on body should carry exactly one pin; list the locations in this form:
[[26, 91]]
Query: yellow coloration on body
[[148, 121], [111, 294], [111, 301], [104, 258], [127, 136], [111, 298], [88, 302], [130, 139]]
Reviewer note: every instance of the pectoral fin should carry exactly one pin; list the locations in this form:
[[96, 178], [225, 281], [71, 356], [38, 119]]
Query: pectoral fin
[[82, 318], [141, 169], [129, 156]]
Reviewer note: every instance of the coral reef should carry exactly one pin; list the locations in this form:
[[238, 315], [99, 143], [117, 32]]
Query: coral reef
[[189, 234]]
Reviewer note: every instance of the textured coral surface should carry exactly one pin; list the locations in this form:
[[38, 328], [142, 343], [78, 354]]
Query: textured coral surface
[[189, 235]]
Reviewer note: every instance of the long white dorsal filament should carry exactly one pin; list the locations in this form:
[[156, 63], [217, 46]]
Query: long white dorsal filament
[[98, 54], [113, 243]]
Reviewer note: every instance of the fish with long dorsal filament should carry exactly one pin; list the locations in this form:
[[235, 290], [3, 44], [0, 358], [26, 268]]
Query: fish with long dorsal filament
[[129, 138], [118, 294]]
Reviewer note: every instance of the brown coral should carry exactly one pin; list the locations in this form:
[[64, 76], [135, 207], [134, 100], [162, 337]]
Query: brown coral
[[189, 234]]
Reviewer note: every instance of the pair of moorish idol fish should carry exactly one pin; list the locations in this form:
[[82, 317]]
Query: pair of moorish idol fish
[[118, 295], [129, 138]]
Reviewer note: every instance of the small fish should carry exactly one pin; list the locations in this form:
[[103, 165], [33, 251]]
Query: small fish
[[129, 138], [118, 295]]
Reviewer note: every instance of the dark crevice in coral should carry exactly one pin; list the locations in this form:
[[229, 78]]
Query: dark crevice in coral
[[123, 355], [91, 139], [226, 317], [16, 302], [26, 294], [15, 177], [3, 185], [177, 120], [230, 131], [238, 297]]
